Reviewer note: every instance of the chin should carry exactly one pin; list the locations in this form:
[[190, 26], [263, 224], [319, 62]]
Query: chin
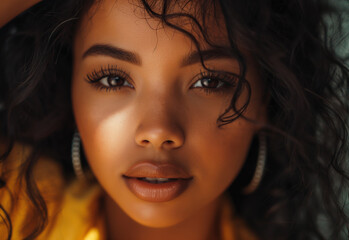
[[158, 217]]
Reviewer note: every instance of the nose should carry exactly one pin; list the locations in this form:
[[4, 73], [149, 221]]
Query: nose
[[159, 126], [159, 137]]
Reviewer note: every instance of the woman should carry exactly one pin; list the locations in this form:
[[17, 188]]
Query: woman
[[185, 109]]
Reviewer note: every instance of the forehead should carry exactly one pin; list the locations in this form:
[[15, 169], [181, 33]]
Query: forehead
[[128, 23]]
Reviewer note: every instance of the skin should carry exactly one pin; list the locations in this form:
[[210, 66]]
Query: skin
[[161, 117], [11, 8]]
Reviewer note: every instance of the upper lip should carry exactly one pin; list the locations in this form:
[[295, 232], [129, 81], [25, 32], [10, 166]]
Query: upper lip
[[151, 169]]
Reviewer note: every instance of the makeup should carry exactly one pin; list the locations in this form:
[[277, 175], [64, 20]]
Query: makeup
[[157, 182]]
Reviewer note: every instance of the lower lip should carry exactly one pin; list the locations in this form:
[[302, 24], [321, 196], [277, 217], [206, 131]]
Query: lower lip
[[160, 192]]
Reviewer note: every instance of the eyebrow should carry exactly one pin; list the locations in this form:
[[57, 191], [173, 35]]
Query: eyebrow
[[134, 58], [114, 52], [209, 54]]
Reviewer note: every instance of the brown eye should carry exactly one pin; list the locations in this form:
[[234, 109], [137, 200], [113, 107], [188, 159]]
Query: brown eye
[[112, 81], [209, 83]]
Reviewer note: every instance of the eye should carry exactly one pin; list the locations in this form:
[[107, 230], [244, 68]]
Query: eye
[[110, 78], [209, 83], [114, 81], [215, 82]]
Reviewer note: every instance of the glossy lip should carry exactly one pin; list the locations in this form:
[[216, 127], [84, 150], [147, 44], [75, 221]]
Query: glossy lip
[[156, 192], [152, 169]]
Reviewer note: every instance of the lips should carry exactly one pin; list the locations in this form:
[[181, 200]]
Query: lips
[[156, 182]]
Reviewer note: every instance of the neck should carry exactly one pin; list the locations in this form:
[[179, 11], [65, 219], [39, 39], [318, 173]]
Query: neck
[[204, 225]]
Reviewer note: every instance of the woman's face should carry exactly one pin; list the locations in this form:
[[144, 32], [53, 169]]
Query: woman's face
[[146, 110]]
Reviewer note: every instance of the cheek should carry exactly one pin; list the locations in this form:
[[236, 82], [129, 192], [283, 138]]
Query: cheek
[[97, 121], [221, 153]]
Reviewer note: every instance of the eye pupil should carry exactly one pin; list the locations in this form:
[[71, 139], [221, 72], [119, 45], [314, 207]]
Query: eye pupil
[[208, 82], [115, 81]]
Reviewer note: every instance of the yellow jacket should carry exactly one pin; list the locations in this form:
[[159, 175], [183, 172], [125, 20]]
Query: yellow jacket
[[73, 208]]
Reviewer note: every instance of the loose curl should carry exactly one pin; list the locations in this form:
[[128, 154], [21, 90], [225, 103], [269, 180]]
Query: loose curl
[[306, 177]]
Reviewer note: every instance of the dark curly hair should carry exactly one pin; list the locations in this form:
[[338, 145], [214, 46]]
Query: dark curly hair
[[306, 177]]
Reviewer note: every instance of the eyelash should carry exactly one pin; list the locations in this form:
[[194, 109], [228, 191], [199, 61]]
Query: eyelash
[[227, 79], [96, 76]]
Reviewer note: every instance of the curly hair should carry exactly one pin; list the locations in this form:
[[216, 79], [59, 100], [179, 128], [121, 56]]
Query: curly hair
[[306, 176]]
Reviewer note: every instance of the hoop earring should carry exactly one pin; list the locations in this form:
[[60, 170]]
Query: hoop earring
[[75, 154], [258, 174]]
